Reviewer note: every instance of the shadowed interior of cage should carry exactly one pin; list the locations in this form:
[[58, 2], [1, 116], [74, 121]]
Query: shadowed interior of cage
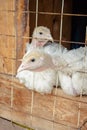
[[19, 37]]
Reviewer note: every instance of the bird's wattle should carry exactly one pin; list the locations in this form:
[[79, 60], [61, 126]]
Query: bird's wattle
[[40, 44]]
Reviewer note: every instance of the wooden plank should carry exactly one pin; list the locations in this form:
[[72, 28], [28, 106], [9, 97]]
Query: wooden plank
[[22, 26], [7, 39], [7, 43], [7, 17], [7, 23], [41, 107], [22, 98], [32, 122], [68, 113], [66, 110], [83, 116], [7, 5], [60, 93], [7, 46], [7, 66], [14, 25]]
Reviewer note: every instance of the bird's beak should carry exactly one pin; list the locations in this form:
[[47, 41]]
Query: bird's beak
[[50, 38], [23, 66]]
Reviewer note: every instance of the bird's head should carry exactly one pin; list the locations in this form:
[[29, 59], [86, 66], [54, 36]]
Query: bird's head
[[41, 36], [36, 60]]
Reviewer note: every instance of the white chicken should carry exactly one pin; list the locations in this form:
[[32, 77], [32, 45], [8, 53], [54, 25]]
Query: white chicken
[[43, 81], [72, 67]]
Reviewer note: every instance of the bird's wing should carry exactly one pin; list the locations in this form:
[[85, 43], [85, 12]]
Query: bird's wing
[[76, 59]]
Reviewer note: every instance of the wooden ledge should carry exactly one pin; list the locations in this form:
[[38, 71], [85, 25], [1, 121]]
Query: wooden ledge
[[68, 112]]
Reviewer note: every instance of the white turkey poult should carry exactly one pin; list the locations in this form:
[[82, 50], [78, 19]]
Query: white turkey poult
[[72, 71], [42, 81], [71, 66], [73, 77]]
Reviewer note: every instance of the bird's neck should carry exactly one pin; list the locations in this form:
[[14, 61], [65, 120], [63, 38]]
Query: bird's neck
[[38, 43]]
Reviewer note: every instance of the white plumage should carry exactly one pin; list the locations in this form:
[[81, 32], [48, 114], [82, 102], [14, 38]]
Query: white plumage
[[41, 35], [42, 82], [71, 66], [42, 79], [73, 77]]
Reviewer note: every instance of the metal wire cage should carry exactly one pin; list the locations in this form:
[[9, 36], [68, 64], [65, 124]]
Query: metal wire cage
[[18, 18]]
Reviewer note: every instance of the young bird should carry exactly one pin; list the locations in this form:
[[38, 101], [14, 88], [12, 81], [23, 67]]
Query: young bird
[[42, 81], [73, 77], [40, 74], [72, 67], [40, 37], [72, 70], [34, 58]]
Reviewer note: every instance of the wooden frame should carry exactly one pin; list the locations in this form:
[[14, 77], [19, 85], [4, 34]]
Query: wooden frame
[[43, 112], [70, 112]]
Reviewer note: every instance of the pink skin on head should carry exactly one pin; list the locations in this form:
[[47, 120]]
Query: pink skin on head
[[38, 67], [40, 43], [24, 66], [32, 67], [37, 43]]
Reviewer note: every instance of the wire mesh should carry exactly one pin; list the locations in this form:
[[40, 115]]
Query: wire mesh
[[37, 13]]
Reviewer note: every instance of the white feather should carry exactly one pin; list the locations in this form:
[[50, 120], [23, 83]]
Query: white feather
[[42, 82], [74, 82]]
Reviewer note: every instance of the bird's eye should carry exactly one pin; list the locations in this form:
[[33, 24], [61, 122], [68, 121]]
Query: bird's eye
[[33, 60], [40, 33]]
